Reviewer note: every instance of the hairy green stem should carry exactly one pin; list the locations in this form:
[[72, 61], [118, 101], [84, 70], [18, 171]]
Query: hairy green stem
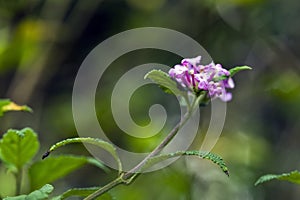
[[105, 188], [131, 174], [159, 148]]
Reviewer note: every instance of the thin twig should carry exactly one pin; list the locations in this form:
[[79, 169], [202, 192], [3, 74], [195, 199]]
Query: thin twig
[[105, 188]]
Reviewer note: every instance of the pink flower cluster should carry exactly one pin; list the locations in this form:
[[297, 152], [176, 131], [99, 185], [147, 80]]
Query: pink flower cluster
[[196, 77]]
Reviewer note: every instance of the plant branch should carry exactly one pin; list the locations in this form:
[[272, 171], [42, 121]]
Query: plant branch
[[159, 148], [131, 174], [105, 188]]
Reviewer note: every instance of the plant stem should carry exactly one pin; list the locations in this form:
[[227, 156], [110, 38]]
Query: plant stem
[[19, 175], [105, 188], [159, 148], [131, 174]]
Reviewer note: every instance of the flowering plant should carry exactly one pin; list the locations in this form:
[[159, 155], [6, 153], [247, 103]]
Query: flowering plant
[[190, 80]]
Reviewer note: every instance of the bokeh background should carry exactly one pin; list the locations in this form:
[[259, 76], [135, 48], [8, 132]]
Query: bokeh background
[[43, 43]]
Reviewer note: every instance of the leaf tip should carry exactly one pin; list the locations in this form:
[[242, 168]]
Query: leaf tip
[[258, 182], [150, 72], [246, 67], [147, 74], [237, 69], [226, 172], [45, 155], [28, 109]]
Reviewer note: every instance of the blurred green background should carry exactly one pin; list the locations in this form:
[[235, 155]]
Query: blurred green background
[[43, 43]]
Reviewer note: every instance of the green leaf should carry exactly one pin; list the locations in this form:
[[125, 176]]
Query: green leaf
[[7, 105], [53, 168], [95, 141], [293, 177], [202, 154], [165, 82], [18, 147], [236, 69], [97, 163], [232, 72], [83, 192], [39, 194]]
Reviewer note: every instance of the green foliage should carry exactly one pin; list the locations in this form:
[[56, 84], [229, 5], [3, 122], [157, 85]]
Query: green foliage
[[95, 141], [18, 147], [232, 72], [47, 171], [293, 177], [7, 105], [202, 154], [39, 194], [237, 69], [168, 85], [165, 82], [172, 183], [83, 192]]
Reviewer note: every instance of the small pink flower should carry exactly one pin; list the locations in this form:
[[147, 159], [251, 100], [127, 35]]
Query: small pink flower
[[196, 77]]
